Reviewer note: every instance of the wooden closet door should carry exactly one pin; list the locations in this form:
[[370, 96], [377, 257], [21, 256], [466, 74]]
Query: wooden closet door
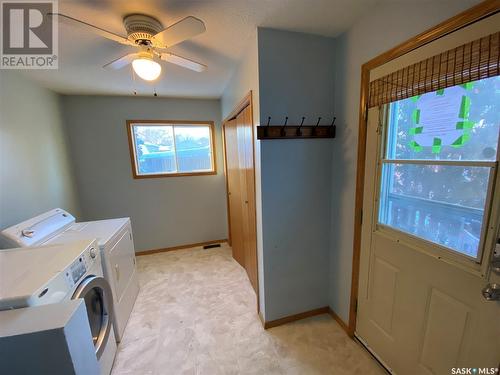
[[247, 183], [234, 191], [238, 136]]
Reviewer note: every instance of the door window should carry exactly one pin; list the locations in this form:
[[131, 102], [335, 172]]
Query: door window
[[95, 312], [439, 158]]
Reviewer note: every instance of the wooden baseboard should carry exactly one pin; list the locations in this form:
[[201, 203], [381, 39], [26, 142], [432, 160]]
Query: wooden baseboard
[[295, 317], [155, 251], [262, 319], [303, 315], [339, 321]]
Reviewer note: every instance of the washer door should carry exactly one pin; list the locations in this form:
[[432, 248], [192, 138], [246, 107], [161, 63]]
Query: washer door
[[98, 300]]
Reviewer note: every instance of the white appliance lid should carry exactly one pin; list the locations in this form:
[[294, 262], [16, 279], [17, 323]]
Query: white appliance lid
[[102, 230], [38, 229], [24, 271], [37, 318]]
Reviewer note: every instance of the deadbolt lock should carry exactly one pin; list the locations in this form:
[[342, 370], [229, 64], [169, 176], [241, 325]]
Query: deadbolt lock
[[491, 292], [495, 265]]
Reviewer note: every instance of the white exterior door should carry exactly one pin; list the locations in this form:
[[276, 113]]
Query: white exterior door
[[430, 227]]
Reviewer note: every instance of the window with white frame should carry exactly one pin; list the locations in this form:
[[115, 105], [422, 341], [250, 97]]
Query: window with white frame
[[439, 158]]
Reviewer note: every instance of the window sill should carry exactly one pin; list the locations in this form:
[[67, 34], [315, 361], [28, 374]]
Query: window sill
[[187, 174]]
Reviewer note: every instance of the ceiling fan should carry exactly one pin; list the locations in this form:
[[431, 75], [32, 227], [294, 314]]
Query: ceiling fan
[[153, 40]]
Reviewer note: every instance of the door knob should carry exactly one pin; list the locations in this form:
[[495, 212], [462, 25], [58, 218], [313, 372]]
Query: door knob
[[491, 292]]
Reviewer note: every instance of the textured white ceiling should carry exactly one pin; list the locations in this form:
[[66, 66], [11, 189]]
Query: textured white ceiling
[[230, 26]]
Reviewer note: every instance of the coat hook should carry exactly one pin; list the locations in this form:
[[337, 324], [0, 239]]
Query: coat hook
[[313, 130], [283, 131], [299, 132], [266, 130], [332, 128]]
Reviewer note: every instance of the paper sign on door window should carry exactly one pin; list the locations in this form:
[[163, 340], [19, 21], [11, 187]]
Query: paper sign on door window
[[441, 119]]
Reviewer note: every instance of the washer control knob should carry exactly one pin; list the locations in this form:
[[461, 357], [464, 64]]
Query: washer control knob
[[28, 233], [93, 252]]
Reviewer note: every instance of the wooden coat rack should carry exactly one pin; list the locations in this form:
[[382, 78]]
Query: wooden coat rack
[[296, 131]]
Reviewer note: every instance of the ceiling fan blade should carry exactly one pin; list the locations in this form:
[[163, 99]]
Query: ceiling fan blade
[[184, 29], [121, 61], [95, 29], [182, 61]]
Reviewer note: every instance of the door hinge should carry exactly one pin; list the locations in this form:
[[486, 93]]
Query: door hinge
[[361, 217], [356, 306], [365, 115]]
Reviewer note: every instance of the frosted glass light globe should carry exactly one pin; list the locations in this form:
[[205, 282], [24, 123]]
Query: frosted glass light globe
[[146, 68]]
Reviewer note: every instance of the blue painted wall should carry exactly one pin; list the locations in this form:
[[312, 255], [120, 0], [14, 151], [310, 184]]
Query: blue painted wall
[[296, 78]]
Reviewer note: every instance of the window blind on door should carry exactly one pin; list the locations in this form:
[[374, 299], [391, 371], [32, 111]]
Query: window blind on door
[[469, 62]]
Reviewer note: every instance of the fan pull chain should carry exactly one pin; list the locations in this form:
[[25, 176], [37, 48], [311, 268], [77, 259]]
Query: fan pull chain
[[134, 82]]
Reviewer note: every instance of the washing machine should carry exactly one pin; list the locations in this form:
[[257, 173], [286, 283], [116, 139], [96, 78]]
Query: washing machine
[[53, 274], [115, 242]]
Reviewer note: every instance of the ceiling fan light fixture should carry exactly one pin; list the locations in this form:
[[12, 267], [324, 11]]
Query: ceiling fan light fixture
[[146, 68], [148, 34]]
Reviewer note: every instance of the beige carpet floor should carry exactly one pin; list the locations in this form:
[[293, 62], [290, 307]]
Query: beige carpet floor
[[196, 314]]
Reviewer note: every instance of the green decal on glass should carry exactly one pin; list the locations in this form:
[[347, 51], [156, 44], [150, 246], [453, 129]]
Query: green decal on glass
[[468, 85], [415, 146], [466, 124], [416, 116], [416, 130], [461, 141], [464, 107], [436, 146]]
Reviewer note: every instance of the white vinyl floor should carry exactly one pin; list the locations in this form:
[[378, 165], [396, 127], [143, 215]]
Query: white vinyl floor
[[196, 314]]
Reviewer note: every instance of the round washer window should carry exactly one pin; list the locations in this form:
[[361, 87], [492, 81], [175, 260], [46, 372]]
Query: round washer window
[[95, 311]]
